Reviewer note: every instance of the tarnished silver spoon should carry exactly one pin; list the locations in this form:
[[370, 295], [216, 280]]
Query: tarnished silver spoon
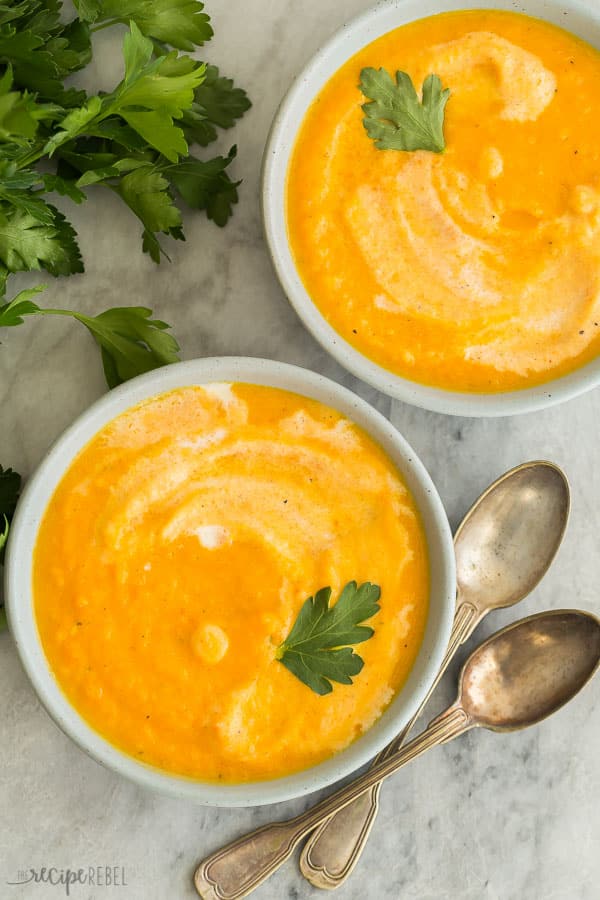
[[503, 547], [515, 679]]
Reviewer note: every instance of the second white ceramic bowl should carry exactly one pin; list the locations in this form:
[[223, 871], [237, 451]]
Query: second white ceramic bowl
[[579, 17], [19, 600]]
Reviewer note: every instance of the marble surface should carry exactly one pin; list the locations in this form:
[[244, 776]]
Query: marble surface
[[489, 818]]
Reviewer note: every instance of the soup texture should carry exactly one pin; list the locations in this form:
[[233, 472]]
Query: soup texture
[[176, 553], [478, 268]]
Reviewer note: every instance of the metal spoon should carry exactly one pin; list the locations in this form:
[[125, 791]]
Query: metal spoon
[[503, 547], [516, 678]]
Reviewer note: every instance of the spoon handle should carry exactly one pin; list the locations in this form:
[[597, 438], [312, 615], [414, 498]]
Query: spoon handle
[[237, 869], [334, 848]]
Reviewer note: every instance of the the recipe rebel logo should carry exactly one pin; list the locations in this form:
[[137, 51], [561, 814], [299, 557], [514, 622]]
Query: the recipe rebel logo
[[67, 879]]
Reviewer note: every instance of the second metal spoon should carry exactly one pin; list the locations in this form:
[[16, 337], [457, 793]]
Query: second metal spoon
[[503, 546], [515, 679]]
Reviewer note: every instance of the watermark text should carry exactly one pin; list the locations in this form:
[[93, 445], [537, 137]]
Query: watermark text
[[91, 876]]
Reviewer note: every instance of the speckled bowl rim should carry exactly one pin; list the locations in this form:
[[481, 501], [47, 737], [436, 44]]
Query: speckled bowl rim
[[573, 15], [38, 491]]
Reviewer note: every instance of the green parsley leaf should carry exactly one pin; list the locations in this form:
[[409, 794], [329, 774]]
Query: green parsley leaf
[[196, 127], [180, 23], [316, 650], [217, 104], [164, 87], [3, 539], [26, 243], [10, 488], [16, 189], [12, 178], [12, 313], [146, 193], [115, 130], [157, 128], [130, 341], [220, 101], [112, 170], [395, 118], [20, 114], [206, 185], [66, 187], [167, 82], [43, 50], [88, 10], [74, 123]]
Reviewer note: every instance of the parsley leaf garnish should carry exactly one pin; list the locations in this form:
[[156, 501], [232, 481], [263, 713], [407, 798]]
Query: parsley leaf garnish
[[395, 118], [316, 650]]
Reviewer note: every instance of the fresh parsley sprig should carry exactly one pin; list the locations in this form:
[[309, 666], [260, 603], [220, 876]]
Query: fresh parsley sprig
[[132, 139], [316, 650], [396, 119], [130, 341]]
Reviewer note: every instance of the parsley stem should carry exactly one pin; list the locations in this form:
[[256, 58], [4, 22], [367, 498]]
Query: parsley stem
[[66, 312], [70, 313], [108, 24]]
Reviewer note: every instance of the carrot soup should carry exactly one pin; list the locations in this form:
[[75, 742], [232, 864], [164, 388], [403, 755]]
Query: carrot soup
[[176, 554], [476, 268]]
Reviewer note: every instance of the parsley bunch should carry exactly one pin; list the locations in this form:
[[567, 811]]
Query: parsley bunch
[[133, 140]]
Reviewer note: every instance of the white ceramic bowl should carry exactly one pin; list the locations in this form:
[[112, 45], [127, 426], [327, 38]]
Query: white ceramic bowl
[[40, 488], [578, 16]]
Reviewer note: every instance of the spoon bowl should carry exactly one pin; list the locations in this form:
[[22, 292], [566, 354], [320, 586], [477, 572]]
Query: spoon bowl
[[530, 669], [510, 536]]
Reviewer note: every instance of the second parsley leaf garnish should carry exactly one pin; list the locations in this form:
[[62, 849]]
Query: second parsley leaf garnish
[[396, 119], [316, 650]]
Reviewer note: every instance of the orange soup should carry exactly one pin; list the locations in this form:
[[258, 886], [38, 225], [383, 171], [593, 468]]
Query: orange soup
[[176, 553], [478, 268]]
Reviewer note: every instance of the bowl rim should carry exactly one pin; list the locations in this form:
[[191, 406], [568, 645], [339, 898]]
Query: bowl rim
[[357, 33], [41, 486]]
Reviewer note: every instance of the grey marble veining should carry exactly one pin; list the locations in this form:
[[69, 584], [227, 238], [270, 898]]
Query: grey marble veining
[[488, 818]]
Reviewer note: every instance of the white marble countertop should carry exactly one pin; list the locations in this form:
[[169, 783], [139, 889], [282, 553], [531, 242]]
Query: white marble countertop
[[490, 817]]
